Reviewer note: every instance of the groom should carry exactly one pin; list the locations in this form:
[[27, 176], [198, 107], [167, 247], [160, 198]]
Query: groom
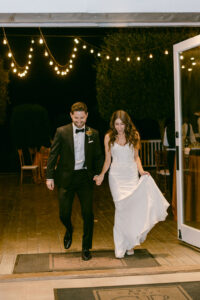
[[77, 149]]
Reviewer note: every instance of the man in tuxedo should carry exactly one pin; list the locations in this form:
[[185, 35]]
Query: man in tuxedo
[[170, 144], [77, 149]]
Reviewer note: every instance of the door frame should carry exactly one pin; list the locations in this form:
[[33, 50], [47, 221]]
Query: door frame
[[185, 233]]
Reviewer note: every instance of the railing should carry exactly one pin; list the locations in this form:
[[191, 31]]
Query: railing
[[147, 152]]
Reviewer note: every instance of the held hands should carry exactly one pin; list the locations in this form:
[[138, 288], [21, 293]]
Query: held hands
[[98, 179], [144, 173], [50, 184]]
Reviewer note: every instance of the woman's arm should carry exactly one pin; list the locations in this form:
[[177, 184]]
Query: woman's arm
[[107, 161], [139, 164]]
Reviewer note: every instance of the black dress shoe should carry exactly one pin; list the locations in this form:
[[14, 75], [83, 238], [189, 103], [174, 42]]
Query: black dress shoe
[[86, 254], [67, 240]]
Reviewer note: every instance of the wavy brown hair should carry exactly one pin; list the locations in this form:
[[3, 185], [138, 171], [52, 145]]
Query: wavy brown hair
[[131, 134]]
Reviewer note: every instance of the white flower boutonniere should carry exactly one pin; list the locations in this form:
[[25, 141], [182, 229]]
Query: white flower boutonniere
[[89, 133]]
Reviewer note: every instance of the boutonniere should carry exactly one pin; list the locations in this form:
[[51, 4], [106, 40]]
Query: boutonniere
[[89, 134]]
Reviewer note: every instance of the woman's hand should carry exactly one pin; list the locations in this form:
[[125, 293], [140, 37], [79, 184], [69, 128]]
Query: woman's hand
[[98, 179], [144, 173]]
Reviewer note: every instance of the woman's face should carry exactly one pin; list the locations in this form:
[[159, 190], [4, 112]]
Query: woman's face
[[119, 126]]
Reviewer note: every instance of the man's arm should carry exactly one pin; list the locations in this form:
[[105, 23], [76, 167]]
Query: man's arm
[[52, 160]]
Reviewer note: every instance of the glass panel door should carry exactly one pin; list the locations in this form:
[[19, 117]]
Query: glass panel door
[[187, 112]]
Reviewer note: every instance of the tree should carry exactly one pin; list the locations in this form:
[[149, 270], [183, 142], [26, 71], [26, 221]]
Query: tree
[[30, 126], [144, 88], [4, 80]]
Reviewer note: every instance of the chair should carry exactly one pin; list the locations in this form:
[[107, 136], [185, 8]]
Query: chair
[[33, 168], [44, 154], [162, 171]]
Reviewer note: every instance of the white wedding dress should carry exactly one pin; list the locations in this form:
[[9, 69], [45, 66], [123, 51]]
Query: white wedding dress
[[139, 204]]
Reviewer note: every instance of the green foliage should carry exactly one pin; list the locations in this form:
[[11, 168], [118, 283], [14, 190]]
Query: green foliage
[[30, 126], [143, 88], [4, 80]]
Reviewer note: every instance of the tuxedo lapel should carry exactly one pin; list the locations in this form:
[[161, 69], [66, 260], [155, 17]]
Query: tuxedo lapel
[[86, 142], [71, 138]]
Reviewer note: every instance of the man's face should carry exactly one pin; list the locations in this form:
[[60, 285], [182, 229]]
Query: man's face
[[79, 118]]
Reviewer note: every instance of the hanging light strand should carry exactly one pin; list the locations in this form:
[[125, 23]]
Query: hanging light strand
[[17, 69]]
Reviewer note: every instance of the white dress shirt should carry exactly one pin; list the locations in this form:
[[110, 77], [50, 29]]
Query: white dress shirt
[[79, 148]]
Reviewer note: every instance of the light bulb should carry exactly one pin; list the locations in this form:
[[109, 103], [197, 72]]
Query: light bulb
[[41, 41], [99, 54], [14, 70], [138, 58], [46, 53], [107, 57], [128, 59], [29, 55], [76, 41], [70, 66], [117, 58], [84, 47], [75, 49], [73, 55], [166, 52], [12, 64], [32, 41], [31, 49], [150, 55], [9, 54], [51, 62], [91, 51], [4, 42]]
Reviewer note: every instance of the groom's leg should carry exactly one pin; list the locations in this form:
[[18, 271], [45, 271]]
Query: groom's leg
[[66, 197], [85, 194]]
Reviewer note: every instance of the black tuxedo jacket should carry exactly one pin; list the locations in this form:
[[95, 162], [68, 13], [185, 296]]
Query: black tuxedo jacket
[[63, 149]]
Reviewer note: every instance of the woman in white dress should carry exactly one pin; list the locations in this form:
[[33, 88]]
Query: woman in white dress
[[139, 204]]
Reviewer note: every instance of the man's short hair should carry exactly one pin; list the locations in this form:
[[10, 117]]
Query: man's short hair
[[79, 106]]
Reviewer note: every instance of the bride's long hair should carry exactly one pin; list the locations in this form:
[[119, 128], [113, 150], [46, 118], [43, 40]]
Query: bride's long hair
[[131, 134]]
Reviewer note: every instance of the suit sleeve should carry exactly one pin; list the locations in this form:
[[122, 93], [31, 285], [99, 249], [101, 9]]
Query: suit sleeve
[[99, 159], [53, 156]]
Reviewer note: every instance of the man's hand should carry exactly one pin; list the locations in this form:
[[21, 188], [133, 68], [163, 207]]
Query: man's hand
[[50, 184], [98, 179]]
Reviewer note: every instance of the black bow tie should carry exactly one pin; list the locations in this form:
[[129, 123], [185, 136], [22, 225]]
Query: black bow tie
[[80, 130]]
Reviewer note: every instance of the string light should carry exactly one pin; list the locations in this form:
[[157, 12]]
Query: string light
[[66, 68], [17, 69]]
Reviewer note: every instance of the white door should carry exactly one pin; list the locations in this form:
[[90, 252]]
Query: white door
[[187, 107]]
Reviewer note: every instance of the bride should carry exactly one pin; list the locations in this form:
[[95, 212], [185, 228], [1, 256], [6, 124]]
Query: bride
[[139, 204]]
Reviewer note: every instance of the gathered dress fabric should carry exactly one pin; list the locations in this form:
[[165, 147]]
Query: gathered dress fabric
[[139, 204]]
